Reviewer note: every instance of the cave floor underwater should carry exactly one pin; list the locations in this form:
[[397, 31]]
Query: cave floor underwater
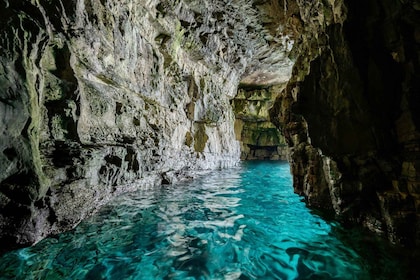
[[238, 223]]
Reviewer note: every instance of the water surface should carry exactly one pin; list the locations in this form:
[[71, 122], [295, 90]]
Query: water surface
[[240, 223]]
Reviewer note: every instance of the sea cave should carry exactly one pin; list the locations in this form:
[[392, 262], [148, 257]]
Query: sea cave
[[199, 139]]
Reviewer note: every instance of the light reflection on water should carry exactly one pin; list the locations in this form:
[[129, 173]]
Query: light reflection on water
[[241, 223]]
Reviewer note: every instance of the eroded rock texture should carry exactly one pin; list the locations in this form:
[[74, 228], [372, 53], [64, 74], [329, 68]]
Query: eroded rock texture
[[351, 112], [98, 97], [258, 136], [262, 82]]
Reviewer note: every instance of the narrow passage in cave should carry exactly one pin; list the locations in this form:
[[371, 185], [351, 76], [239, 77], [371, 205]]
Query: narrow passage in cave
[[259, 138]]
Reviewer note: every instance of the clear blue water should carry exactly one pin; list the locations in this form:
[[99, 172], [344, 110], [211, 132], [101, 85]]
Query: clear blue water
[[240, 223]]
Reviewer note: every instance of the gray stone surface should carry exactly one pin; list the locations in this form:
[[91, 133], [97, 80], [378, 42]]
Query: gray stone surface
[[98, 97]]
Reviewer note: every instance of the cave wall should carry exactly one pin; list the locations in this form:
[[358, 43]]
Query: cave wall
[[98, 97], [259, 138], [351, 113]]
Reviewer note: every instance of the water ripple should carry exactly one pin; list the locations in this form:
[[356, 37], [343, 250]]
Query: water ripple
[[243, 223]]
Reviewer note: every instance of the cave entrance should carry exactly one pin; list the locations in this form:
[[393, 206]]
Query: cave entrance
[[259, 138]]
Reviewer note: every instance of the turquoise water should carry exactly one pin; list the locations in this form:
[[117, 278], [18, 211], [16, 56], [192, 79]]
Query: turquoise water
[[240, 223]]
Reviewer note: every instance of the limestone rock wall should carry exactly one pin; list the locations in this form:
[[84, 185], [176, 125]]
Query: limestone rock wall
[[98, 97], [258, 136], [351, 112], [263, 80]]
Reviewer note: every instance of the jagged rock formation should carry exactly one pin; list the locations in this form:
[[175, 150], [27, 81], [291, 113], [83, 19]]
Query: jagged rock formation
[[263, 80], [351, 112], [98, 97], [258, 136]]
